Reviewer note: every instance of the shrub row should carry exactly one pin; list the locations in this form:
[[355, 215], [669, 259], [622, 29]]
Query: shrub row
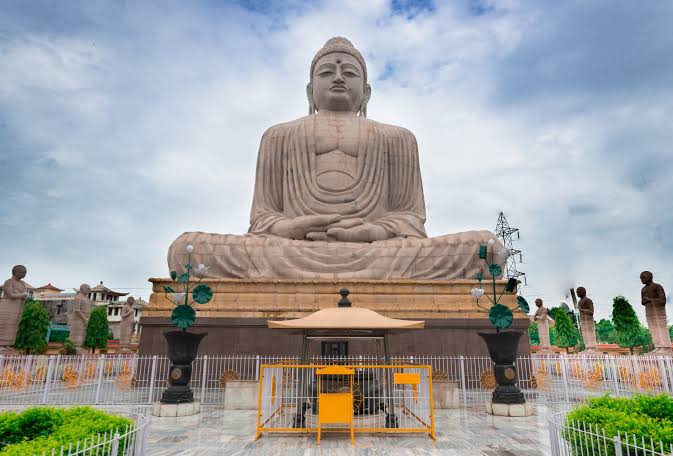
[[39, 429], [644, 416]]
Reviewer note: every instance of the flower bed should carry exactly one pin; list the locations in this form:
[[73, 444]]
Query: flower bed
[[40, 429], [647, 417]]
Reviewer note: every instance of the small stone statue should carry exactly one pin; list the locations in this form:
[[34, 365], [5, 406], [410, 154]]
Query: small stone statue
[[13, 299], [542, 319], [587, 324], [654, 299], [126, 326], [79, 317]]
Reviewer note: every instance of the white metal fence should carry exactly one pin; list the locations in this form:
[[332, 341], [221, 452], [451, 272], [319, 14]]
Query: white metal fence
[[572, 438], [129, 441], [133, 379]]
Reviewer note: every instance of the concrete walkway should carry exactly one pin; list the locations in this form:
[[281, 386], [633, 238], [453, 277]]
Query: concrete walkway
[[460, 432]]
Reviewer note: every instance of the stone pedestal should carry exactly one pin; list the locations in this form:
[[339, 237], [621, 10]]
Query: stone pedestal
[[174, 410], [237, 314], [241, 395], [513, 410], [445, 394]]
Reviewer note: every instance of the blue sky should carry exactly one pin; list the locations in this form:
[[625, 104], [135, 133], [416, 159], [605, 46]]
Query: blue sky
[[123, 124]]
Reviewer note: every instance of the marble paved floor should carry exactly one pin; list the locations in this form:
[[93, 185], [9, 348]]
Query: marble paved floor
[[459, 432]]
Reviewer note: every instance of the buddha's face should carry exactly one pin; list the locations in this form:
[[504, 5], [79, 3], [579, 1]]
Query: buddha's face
[[338, 83], [646, 277], [19, 271]]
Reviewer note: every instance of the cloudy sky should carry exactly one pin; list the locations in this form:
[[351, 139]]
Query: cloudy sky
[[125, 123]]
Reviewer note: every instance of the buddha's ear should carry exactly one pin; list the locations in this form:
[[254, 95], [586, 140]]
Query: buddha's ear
[[365, 99], [309, 95]]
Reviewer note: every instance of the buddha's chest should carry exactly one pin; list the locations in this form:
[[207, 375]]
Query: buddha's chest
[[336, 150]]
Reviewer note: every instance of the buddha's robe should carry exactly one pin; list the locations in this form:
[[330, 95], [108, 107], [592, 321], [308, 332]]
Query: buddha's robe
[[385, 190]]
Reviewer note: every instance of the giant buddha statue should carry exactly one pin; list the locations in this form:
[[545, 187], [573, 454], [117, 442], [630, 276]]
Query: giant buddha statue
[[337, 195]]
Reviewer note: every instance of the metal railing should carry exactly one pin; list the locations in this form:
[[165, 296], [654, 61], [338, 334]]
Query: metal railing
[[134, 379], [386, 399], [573, 438], [129, 441]]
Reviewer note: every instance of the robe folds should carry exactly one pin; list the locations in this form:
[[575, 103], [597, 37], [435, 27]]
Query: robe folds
[[386, 190]]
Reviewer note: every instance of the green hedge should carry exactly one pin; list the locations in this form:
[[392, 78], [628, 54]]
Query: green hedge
[[643, 416], [39, 429], [59, 335]]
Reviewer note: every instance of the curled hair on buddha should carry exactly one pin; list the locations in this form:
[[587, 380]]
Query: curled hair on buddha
[[339, 44]]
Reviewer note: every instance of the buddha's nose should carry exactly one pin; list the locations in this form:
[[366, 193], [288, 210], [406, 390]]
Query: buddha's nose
[[338, 77]]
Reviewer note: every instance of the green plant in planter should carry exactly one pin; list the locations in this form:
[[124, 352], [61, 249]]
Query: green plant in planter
[[500, 315], [183, 315]]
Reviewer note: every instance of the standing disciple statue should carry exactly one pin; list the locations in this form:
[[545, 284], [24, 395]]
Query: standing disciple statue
[[654, 299], [79, 317], [587, 324], [14, 295], [337, 195], [542, 319], [126, 325]]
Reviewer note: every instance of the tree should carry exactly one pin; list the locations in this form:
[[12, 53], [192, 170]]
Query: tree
[[627, 326], [33, 328], [670, 331], [605, 332], [644, 340], [97, 329], [566, 332], [533, 334]]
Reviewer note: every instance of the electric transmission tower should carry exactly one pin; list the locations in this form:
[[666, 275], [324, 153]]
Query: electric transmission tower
[[505, 233]]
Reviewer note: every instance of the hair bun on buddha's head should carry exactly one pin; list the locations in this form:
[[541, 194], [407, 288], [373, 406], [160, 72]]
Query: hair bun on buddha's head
[[339, 44]]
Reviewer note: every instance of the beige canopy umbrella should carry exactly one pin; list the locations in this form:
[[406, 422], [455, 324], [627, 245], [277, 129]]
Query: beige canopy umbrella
[[345, 322], [346, 318]]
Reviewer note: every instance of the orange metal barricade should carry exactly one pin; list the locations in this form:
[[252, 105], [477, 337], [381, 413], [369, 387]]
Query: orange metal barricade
[[385, 399]]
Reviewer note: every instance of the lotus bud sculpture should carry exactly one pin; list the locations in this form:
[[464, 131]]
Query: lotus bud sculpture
[[183, 315]]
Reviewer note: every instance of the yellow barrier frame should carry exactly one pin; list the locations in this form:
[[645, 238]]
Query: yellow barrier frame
[[410, 379]]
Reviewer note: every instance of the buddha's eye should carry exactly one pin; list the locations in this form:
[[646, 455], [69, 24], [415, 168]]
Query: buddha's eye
[[325, 73], [351, 73]]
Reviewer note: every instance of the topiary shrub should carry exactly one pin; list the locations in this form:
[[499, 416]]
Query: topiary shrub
[[645, 417], [32, 333], [97, 329], [41, 429], [68, 348]]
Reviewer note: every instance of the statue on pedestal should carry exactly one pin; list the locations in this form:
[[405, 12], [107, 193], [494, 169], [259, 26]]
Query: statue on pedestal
[[14, 295], [79, 317], [337, 195], [126, 325], [587, 324], [654, 299], [542, 319]]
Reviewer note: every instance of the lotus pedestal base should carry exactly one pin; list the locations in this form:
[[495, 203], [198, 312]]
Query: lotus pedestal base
[[513, 410], [184, 409]]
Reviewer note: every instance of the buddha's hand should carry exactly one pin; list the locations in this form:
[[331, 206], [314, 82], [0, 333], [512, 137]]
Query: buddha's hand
[[364, 232], [300, 227]]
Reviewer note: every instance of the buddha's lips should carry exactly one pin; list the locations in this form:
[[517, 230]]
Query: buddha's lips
[[338, 88]]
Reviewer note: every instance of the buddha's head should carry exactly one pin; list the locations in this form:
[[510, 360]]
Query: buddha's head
[[19, 271], [338, 79], [581, 292], [84, 289], [646, 277]]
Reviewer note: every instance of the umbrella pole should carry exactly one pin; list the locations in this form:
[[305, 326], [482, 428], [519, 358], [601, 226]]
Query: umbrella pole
[[391, 419]]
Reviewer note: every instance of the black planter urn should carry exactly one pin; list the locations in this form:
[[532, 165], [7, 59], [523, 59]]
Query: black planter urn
[[503, 347], [182, 349]]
